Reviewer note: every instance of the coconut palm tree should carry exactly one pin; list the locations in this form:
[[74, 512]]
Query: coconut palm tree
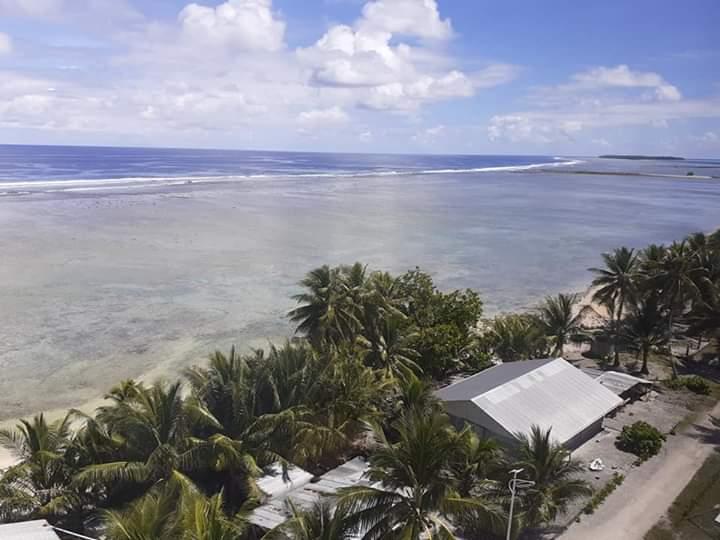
[[149, 439], [324, 521], [558, 319], [677, 276], [326, 313], [476, 459], [151, 517], [549, 466], [173, 510], [42, 475], [646, 327], [705, 314], [386, 346], [617, 282], [415, 492], [517, 337]]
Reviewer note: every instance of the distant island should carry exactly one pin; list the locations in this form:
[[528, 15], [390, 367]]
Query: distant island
[[636, 156]]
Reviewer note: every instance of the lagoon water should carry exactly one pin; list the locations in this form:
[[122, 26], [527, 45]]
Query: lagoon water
[[134, 262]]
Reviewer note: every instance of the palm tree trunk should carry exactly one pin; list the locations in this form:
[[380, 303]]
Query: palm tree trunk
[[616, 362], [673, 303], [644, 370]]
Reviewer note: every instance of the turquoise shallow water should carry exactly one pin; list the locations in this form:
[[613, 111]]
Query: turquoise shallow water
[[106, 280]]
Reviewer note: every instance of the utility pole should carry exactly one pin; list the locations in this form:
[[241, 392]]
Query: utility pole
[[514, 484]]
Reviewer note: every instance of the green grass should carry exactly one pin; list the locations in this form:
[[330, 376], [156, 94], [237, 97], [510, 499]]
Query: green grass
[[603, 493], [693, 512]]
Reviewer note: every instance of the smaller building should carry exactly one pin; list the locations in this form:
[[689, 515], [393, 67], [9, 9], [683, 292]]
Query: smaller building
[[38, 529], [506, 400], [626, 386], [277, 511]]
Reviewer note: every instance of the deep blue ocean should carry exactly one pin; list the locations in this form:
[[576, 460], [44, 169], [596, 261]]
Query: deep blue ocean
[[52, 163]]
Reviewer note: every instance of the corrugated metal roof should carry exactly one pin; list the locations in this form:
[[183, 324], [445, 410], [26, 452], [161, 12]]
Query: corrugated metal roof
[[619, 383], [488, 379], [276, 512], [274, 485], [554, 394], [28, 530]]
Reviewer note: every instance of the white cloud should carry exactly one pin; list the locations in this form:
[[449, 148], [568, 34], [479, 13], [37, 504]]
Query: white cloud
[[429, 135], [5, 44], [409, 96], [243, 24], [384, 74], [623, 77], [221, 69], [408, 17], [601, 97], [710, 137], [99, 12], [333, 115], [31, 8]]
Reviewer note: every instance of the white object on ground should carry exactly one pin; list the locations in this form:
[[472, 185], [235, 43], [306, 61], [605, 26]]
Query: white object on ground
[[597, 465]]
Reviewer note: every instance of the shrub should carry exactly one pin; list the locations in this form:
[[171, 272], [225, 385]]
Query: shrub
[[640, 439], [603, 493], [698, 385], [695, 384]]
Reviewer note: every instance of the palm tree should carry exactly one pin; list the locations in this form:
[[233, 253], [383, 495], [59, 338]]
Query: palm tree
[[40, 482], [558, 320], [476, 459], [705, 314], [386, 346], [676, 276], [617, 282], [173, 510], [416, 492], [151, 517], [646, 327], [549, 466], [324, 521], [149, 440], [326, 313], [517, 337]]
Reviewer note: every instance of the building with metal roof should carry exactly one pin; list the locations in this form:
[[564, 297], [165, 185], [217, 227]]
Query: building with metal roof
[[624, 385], [276, 484], [508, 399], [38, 529], [276, 511]]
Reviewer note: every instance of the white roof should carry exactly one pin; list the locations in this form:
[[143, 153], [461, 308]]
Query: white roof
[[276, 512], [554, 394], [274, 485], [28, 530]]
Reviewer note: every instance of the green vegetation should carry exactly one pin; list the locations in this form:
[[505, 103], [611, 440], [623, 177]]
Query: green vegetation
[[640, 439], [180, 459], [599, 497], [640, 156], [694, 383]]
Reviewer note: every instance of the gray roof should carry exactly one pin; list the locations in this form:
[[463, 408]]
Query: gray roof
[[273, 484], [548, 393], [488, 379], [617, 382], [28, 530], [276, 512]]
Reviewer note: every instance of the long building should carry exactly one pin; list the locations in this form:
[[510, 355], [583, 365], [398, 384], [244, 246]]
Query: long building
[[508, 399]]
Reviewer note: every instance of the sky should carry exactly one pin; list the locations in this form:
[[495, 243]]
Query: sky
[[417, 76]]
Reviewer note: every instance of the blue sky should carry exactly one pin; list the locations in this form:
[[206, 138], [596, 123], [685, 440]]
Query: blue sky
[[450, 76]]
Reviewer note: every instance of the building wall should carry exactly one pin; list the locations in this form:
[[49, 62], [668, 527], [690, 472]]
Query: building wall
[[585, 435]]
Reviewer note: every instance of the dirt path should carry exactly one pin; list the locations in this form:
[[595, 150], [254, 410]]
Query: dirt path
[[648, 491]]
